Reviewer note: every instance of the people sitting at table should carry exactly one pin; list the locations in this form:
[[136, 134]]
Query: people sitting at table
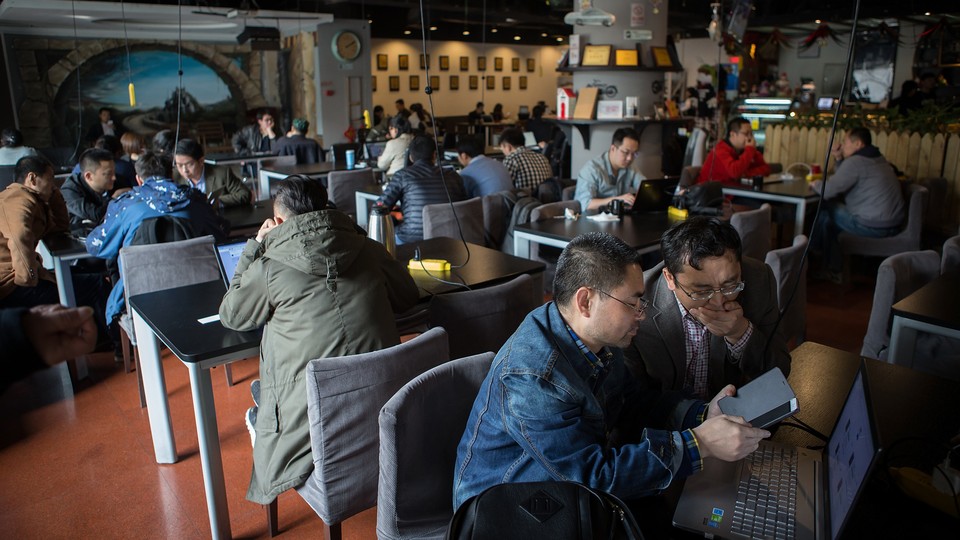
[[123, 169], [30, 210], [481, 175], [88, 191], [402, 109], [714, 316], [735, 157], [42, 336], [420, 120], [12, 148], [863, 197], [477, 114], [542, 130], [394, 154], [559, 404], [498, 114], [104, 126], [297, 144], [379, 125], [256, 138], [418, 185], [218, 182], [164, 143], [155, 195], [528, 169], [133, 145], [319, 288], [610, 176]]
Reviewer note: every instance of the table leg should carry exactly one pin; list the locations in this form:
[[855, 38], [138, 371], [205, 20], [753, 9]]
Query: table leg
[[521, 246], [210, 458], [155, 390], [264, 179], [800, 217], [363, 211], [64, 275], [903, 338]]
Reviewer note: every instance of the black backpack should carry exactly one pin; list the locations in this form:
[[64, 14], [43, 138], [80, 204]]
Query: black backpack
[[701, 199], [549, 510]]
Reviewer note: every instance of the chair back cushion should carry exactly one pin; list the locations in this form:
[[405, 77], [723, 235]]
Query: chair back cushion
[[344, 397], [342, 187], [951, 255], [754, 229], [155, 267], [907, 240], [898, 276], [439, 220], [420, 428], [481, 320], [785, 263]]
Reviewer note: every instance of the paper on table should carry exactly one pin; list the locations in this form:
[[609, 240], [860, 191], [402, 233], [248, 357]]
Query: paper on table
[[604, 217], [210, 319]]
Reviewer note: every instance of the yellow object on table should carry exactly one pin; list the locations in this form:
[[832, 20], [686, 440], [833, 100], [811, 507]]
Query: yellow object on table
[[435, 265], [919, 485]]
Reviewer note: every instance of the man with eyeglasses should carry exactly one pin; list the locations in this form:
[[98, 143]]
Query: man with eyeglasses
[[559, 404], [735, 157], [713, 314], [211, 180], [610, 176]]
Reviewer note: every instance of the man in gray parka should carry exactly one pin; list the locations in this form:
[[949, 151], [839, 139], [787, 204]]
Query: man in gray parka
[[320, 288]]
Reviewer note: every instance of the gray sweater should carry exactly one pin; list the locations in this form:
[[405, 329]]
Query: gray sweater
[[873, 193]]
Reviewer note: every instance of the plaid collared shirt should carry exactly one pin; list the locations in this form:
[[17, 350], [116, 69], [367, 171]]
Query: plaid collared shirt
[[698, 352], [528, 168]]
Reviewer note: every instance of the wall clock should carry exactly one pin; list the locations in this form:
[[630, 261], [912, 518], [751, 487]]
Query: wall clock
[[346, 46]]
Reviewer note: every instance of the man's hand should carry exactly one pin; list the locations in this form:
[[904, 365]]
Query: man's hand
[[59, 333], [267, 226], [728, 323], [120, 192], [713, 410], [729, 438], [627, 198], [751, 141], [837, 153]]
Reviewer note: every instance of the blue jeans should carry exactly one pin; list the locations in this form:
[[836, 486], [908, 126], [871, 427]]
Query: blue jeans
[[834, 219]]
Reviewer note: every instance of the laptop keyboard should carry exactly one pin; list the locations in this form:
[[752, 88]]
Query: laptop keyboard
[[766, 504]]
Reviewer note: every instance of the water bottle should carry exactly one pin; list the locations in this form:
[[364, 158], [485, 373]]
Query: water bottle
[[351, 157], [380, 228]]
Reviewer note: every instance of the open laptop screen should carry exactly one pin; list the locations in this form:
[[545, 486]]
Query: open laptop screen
[[529, 139], [229, 255], [849, 455], [374, 149]]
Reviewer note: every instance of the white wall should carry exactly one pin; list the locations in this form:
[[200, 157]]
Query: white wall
[[541, 83], [332, 80]]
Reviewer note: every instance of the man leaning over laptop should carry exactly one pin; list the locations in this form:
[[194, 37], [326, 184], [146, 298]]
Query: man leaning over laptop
[[610, 176], [713, 314], [558, 403]]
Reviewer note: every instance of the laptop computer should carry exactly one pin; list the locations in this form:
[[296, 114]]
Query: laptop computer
[[654, 195], [815, 496], [374, 149], [530, 140], [228, 255]]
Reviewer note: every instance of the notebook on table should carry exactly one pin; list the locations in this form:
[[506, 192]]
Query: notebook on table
[[228, 255], [654, 194], [783, 491]]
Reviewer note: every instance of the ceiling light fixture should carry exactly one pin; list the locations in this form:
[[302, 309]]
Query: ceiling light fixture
[[493, 30], [433, 28], [817, 21], [713, 29], [516, 38], [559, 39], [407, 32]]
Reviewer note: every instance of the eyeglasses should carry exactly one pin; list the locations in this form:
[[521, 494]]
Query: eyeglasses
[[707, 294], [746, 133], [639, 308], [627, 153]]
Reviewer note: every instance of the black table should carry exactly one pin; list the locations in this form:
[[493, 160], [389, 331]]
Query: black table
[[795, 192], [933, 308], [640, 231], [233, 158], [313, 170], [245, 217]]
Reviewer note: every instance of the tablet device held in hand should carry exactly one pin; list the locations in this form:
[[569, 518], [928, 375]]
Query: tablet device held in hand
[[763, 401]]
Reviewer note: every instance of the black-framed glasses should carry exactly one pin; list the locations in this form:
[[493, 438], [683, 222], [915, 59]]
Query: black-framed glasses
[[707, 294], [640, 308], [627, 153]]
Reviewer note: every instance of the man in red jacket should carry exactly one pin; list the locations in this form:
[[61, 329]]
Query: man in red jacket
[[735, 157]]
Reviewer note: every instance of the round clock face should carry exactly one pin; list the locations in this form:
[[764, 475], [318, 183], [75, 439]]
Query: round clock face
[[346, 46]]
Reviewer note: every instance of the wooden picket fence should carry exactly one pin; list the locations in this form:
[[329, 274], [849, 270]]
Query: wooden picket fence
[[918, 156]]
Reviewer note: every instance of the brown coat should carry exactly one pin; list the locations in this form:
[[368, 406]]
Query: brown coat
[[24, 219]]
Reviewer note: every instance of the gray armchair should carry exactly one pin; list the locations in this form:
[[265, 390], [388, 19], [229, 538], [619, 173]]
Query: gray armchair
[[481, 320], [950, 261], [785, 263], [420, 428], [754, 229], [344, 396], [906, 240], [342, 187], [440, 220]]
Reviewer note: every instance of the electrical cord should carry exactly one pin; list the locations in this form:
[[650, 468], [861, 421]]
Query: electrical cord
[[462, 283], [889, 456], [76, 149], [176, 137], [803, 426]]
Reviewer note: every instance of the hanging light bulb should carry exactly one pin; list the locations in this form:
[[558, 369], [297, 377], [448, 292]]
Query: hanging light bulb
[[713, 29]]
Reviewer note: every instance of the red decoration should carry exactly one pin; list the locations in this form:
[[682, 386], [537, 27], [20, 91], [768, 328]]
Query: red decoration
[[819, 36]]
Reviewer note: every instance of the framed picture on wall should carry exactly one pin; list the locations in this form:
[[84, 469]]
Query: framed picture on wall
[[444, 63], [491, 82], [481, 63], [474, 82], [498, 64], [424, 61], [382, 62], [506, 83], [403, 62], [531, 65], [464, 63], [373, 83], [523, 82], [394, 83], [661, 57], [454, 82], [414, 82], [515, 64], [435, 82]]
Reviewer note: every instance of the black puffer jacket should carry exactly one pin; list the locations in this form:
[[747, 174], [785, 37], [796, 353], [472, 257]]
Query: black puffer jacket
[[416, 186]]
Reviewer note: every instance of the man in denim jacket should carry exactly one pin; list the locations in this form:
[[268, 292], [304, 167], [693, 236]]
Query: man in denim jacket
[[558, 403]]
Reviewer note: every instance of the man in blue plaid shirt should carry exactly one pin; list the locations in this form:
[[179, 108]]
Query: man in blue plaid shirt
[[528, 169]]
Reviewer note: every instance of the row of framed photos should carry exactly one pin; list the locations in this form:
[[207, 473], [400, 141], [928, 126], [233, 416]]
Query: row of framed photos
[[403, 63], [473, 82]]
